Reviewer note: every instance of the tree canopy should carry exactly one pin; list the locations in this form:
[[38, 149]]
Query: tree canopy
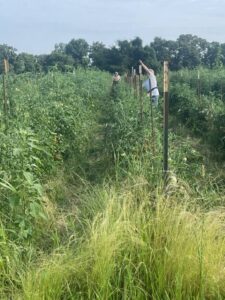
[[188, 51]]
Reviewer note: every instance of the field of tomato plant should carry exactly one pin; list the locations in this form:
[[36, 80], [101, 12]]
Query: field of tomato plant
[[84, 212]]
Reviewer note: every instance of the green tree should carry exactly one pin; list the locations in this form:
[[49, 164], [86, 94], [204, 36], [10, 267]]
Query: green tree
[[60, 48], [125, 51], [42, 63], [8, 53], [29, 62], [98, 55], [61, 60], [132, 51], [114, 60], [19, 65], [214, 56], [136, 52], [165, 50], [150, 58], [191, 51], [78, 49]]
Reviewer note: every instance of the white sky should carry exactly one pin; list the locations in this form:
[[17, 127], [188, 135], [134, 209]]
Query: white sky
[[35, 26]]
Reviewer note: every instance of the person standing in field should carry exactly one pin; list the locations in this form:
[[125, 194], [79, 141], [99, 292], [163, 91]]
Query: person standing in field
[[115, 85], [152, 85], [116, 78]]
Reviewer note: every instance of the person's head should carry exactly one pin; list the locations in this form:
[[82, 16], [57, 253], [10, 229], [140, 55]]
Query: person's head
[[152, 71], [116, 74]]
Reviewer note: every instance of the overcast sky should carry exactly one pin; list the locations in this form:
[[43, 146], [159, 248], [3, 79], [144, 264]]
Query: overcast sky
[[35, 26]]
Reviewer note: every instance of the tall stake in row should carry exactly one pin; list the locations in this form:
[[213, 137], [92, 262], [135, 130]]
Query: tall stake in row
[[166, 119], [152, 121], [132, 78], [135, 84]]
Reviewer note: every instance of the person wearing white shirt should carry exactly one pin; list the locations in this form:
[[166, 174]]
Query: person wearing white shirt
[[116, 77], [152, 85]]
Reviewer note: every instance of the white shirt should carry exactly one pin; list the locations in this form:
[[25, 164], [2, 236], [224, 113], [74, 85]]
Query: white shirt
[[153, 81], [116, 78]]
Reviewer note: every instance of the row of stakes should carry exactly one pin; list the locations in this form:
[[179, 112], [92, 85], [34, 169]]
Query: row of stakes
[[136, 82]]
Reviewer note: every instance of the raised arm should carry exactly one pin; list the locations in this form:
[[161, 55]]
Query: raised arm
[[145, 67]]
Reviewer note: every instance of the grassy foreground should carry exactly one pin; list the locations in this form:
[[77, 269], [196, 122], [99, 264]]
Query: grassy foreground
[[122, 246], [84, 214]]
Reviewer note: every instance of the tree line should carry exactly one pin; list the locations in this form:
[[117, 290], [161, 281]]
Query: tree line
[[188, 51]]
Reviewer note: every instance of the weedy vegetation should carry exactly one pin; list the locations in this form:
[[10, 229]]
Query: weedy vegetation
[[84, 212]]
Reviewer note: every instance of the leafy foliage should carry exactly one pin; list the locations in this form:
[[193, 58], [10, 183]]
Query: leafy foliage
[[187, 51], [199, 103], [83, 212]]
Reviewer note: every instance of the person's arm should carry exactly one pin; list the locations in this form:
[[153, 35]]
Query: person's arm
[[145, 67]]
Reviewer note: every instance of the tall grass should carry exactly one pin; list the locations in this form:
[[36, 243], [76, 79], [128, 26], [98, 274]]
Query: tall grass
[[106, 230], [134, 247]]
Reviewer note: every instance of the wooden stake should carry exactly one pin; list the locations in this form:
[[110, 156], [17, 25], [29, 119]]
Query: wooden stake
[[131, 78], [152, 122], [135, 84], [166, 119], [6, 66], [126, 78], [4, 95]]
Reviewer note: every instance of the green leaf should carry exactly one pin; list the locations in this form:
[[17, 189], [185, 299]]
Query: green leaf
[[8, 186], [29, 177]]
